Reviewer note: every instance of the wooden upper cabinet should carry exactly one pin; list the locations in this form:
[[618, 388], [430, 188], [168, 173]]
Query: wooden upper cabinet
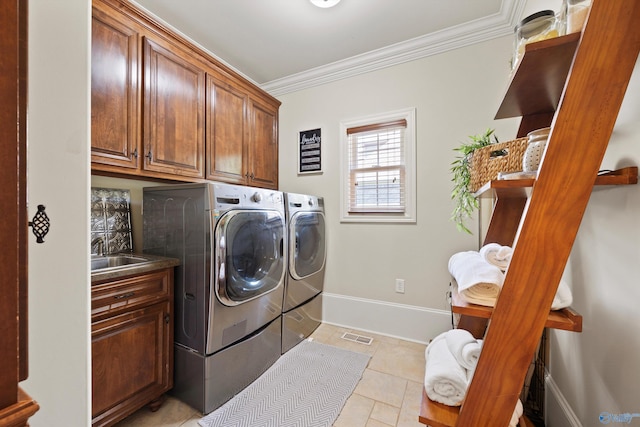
[[174, 107], [263, 145], [227, 109], [163, 108], [242, 135], [114, 92]]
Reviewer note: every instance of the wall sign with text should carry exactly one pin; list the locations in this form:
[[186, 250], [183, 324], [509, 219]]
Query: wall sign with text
[[310, 151]]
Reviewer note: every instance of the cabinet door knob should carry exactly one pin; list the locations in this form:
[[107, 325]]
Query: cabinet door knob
[[149, 155], [122, 296], [135, 153], [167, 318], [40, 224]]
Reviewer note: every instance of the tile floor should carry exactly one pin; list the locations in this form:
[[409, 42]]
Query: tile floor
[[388, 394]]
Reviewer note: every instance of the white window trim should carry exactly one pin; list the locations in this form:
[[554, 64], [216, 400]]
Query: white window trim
[[409, 215]]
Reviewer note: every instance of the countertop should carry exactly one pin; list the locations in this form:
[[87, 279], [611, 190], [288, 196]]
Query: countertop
[[154, 262]]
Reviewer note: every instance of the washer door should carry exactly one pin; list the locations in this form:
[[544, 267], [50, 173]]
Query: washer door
[[307, 244], [249, 255]]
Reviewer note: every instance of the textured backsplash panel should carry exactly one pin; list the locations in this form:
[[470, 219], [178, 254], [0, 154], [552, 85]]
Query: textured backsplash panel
[[111, 219]]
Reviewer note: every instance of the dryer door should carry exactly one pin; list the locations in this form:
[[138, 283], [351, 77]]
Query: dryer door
[[249, 255], [307, 244]]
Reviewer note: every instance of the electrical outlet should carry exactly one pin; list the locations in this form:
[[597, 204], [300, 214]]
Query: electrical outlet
[[400, 286]]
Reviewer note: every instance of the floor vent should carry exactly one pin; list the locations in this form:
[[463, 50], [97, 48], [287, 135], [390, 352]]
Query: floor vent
[[357, 338]]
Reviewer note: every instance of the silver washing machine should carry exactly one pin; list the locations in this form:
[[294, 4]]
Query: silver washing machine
[[229, 286], [302, 308]]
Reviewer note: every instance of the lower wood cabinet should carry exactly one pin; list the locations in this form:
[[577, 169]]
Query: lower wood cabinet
[[131, 344]]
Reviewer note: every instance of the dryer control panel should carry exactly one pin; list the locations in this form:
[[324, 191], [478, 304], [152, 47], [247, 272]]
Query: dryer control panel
[[229, 196]]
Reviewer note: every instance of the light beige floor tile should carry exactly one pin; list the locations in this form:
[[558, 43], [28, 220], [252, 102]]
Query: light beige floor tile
[[332, 335], [324, 332], [385, 413], [355, 412], [172, 413], [413, 396], [337, 341], [402, 360], [193, 422], [377, 337], [376, 423], [411, 406], [382, 387]]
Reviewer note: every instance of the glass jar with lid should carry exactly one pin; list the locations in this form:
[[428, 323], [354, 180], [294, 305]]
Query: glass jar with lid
[[577, 11], [537, 140], [539, 26]]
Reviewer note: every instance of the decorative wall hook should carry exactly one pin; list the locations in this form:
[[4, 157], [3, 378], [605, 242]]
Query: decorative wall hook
[[40, 224]]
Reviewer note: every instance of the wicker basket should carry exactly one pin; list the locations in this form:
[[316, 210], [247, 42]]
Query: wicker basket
[[487, 162]]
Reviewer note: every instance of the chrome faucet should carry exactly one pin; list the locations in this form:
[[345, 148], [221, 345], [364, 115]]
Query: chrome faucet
[[100, 242]]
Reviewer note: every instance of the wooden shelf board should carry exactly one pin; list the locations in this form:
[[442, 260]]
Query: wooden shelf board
[[623, 176], [521, 188], [566, 319], [538, 81], [434, 414], [506, 188]]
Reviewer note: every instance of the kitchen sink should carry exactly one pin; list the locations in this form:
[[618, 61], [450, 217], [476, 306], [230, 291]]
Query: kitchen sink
[[111, 261]]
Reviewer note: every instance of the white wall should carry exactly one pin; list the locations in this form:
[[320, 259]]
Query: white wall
[[456, 94], [597, 370], [58, 177]]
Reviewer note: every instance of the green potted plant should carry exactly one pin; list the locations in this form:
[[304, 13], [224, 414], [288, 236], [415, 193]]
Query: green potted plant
[[465, 201]]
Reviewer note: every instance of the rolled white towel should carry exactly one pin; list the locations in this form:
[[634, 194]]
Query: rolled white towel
[[563, 297], [479, 282], [496, 254], [517, 413], [445, 381], [464, 347]]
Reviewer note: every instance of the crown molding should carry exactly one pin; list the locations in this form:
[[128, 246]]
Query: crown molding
[[488, 28]]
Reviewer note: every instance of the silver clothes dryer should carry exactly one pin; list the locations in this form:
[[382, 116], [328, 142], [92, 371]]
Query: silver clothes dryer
[[229, 287], [304, 283]]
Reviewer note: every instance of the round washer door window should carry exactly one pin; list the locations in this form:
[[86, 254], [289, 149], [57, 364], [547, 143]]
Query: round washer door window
[[308, 250], [249, 255]]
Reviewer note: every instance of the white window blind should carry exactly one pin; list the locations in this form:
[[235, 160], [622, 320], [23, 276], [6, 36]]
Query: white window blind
[[376, 162]]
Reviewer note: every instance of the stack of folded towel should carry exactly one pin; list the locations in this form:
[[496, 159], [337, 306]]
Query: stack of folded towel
[[480, 276], [451, 360], [496, 254], [479, 282]]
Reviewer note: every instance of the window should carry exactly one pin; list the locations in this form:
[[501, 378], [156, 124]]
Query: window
[[378, 174]]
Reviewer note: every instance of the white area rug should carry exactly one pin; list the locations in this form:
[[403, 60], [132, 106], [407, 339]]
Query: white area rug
[[307, 386]]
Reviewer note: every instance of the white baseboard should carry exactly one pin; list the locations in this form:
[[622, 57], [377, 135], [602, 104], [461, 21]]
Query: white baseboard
[[558, 411], [407, 322]]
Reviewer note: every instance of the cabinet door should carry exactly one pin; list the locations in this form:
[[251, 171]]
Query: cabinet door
[[174, 105], [131, 361], [226, 132], [114, 92], [263, 145]]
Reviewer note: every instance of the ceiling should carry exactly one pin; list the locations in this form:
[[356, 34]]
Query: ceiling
[[286, 45]]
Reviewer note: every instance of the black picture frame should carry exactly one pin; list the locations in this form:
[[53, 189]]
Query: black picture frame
[[310, 151]]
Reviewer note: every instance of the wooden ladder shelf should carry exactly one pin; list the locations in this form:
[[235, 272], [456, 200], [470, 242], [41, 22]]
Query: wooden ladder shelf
[[579, 97]]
